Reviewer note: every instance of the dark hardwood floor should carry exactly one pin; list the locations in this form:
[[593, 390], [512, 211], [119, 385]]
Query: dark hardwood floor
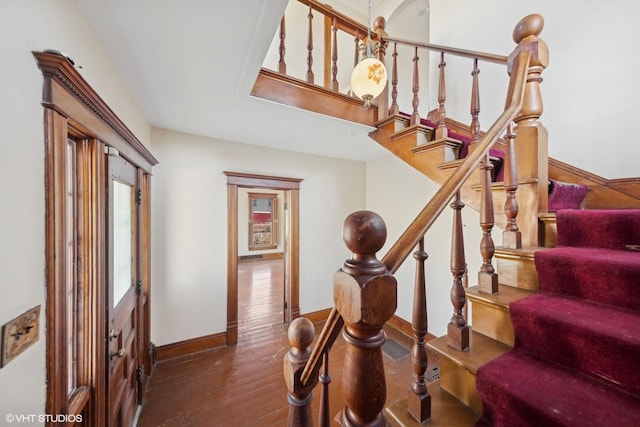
[[243, 385]]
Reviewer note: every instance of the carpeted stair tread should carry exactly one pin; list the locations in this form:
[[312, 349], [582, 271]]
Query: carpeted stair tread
[[520, 390], [598, 339], [602, 275], [603, 228]]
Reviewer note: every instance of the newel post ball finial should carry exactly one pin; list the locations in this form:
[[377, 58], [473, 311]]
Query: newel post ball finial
[[301, 333], [530, 25], [379, 23], [364, 233]]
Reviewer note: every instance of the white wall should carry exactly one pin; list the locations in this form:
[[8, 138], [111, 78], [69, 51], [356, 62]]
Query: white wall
[[590, 89], [189, 226], [243, 221], [398, 193], [26, 26]]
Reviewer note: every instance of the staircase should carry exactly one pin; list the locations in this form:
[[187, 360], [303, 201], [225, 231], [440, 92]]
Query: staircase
[[445, 151], [577, 342]]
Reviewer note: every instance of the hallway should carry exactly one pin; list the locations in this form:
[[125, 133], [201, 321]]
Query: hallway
[[243, 385]]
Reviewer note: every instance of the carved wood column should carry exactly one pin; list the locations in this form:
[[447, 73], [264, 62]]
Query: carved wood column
[[365, 294], [458, 330], [419, 399], [531, 135], [310, 46], [379, 25], [511, 236], [282, 65]]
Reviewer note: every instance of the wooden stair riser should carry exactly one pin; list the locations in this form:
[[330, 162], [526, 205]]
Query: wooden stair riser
[[549, 230], [492, 321], [444, 150], [460, 383], [517, 271]]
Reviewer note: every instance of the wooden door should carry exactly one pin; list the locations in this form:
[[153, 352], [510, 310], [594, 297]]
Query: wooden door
[[122, 319]]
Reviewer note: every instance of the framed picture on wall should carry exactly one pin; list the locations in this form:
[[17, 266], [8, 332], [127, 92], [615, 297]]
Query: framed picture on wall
[[263, 221]]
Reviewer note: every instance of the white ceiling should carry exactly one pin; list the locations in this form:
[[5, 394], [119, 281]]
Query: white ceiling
[[191, 66]]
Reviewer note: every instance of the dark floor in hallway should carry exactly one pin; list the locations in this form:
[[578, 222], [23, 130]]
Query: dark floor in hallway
[[243, 385]]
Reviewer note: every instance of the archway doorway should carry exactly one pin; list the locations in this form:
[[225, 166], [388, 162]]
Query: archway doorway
[[291, 189]]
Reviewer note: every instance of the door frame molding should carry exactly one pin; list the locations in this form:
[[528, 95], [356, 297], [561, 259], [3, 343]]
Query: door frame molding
[[291, 188], [72, 109]]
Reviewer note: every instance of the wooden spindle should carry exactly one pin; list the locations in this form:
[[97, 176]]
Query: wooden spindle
[[334, 56], [301, 334], [365, 294], [475, 104], [356, 55], [310, 47], [394, 109], [282, 65], [441, 130], [415, 117], [511, 236], [379, 25], [324, 416], [487, 277], [419, 400], [458, 329]]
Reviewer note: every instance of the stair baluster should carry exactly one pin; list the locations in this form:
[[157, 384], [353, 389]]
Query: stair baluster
[[458, 330], [487, 276], [310, 46], [365, 295], [511, 236], [324, 416], [441, 130], [415, 116], [282, 65], [334, 55], [301, 334], [395, 108], [419, 400], [475, 104]]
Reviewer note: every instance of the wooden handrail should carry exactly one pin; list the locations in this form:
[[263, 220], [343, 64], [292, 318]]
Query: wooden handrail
[[421, 224], [327, 337], [489, 57]]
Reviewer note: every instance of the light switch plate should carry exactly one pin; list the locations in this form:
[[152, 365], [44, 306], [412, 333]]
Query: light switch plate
[[19, 334]]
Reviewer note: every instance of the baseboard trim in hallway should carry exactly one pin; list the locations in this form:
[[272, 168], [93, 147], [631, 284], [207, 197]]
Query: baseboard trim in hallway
[[190, 346]]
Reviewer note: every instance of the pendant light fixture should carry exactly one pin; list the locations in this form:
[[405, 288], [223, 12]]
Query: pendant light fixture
[[369, 77]]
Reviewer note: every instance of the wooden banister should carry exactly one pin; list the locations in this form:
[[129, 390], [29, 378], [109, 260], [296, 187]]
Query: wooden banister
[[489, 57], [412, 235]]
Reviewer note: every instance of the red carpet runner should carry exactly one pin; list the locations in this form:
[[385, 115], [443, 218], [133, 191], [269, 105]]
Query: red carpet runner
[[576, 358]]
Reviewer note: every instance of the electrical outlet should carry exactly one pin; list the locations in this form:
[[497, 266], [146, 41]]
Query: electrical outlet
[[19, 334]]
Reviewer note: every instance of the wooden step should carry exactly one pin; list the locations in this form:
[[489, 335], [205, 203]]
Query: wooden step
[[490, 312], [446, 410], [516, 267], [458, 368]]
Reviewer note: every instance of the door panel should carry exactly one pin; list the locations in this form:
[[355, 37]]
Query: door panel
[[122, 298]]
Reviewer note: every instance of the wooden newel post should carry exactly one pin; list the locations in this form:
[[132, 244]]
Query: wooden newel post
[[301, 334], [365, 295], [531, 136], [379, 25]]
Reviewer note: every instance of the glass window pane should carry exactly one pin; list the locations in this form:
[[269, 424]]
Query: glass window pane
[[122, 228]]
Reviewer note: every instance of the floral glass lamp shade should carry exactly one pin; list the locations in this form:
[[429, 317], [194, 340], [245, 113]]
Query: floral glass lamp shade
[[368, 79]]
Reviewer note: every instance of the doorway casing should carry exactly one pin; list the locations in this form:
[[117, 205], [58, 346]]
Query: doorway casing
[[291, 188]]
